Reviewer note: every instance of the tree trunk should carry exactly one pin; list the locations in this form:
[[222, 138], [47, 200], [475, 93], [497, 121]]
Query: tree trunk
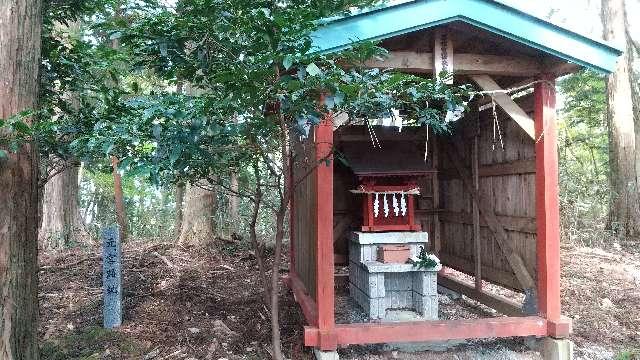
[[234, 199], [198, 226], [633, 52], [121, 213], [624, 210], [258, 247], [61, 223], [234, 204], [179, 207], [20, 32]]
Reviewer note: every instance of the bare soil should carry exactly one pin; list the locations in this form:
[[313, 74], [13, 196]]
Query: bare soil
[[187, 303]]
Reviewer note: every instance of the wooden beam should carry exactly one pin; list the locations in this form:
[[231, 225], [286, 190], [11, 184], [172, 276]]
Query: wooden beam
[[302, 297], [506, 103], [561, 69], [524, 99], [499, 303], [489, 216], [513, 223], [498, 276], [381, 135], [517, 167], [464, 64], [438, 330], [547, 206], [343, 224], [325, 294]]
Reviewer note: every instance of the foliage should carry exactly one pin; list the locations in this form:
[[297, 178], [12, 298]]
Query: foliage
[[249, 61], [425, 260], [150, 209], [628, 355], [583, 153], [252, 67]]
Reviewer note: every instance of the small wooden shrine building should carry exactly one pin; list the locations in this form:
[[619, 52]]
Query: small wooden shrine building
[[489, 191]]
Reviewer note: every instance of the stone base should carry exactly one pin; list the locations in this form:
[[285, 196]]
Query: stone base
[[325, 355], [377, 292], [437, 346], [378, 287], [453, 295], [556, 349]]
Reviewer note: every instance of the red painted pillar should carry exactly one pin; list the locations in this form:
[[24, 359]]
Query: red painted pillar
[[547, 207], [324, 241]]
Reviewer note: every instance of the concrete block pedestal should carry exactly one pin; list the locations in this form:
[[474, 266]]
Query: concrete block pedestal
[[556, 349], [325, 355], [377, 287]]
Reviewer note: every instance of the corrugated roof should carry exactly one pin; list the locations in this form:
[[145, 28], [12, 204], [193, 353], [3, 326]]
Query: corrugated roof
[[401, 17]]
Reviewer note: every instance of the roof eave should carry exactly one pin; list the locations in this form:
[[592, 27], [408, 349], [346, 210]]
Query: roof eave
[[497, 18]]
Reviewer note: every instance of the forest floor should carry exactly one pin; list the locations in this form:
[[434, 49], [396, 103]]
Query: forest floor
[[182, 303]]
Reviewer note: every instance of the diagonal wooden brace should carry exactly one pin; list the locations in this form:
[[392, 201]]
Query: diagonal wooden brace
[[490, 218], [506, 103]]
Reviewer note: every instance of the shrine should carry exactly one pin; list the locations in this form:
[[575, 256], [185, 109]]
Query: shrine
[[482, 200]]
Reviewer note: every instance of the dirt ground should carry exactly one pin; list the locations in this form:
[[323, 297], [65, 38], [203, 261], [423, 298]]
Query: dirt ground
[[182, 303]]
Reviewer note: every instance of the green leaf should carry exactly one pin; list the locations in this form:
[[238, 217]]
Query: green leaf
[[294, 85], [313, 70], [176, 151], [302, 73], [157, 130], [21, 127], [4, 156], [330, 102], [107, 147], [338, 98], [14, 146], [124, 164], [287, 62], [313, 119]]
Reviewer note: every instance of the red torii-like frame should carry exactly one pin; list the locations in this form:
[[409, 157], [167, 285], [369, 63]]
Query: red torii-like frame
[[324, 333]]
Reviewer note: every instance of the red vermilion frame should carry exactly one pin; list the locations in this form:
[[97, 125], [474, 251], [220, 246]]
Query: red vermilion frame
[[322, 331]]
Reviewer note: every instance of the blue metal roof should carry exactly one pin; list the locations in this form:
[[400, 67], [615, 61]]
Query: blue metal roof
[[381, 23]]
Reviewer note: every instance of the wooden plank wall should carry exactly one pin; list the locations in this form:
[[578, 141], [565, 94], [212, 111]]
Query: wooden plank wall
[[507, 178], [347, 211], [304, 219]]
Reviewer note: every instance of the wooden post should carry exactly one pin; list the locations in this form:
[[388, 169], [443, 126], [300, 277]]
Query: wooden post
[[443, 54], [475, 211], [324, 240], [436, 196], [442, 61], [547, 207]]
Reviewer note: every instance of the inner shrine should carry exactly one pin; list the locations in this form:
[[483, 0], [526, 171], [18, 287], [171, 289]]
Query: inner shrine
[[381, 275]]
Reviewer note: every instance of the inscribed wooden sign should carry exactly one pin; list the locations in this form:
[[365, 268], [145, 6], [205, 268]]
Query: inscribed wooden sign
[[443, 55], [111, 277]]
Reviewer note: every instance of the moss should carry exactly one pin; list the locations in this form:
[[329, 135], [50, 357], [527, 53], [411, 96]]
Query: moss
[[629, 355], [89, 344]]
